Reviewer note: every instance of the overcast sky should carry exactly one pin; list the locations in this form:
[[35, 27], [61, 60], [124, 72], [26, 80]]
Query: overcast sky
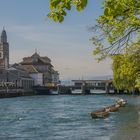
[[66, 44]]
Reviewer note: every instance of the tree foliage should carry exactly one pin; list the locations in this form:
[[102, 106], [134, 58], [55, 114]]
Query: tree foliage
[[59, 8], [117, 28], [126, 69]]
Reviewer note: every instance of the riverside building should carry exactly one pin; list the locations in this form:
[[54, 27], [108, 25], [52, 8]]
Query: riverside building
[[41, 70], [9, 75], [35, 70]]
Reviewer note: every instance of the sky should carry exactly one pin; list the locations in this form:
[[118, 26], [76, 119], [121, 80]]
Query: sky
[[67, 44]]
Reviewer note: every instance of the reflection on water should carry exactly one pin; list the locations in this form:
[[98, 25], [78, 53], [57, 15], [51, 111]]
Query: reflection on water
[[67, 118]]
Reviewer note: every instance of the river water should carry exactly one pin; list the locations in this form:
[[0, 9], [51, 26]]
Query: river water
[[66, 117]]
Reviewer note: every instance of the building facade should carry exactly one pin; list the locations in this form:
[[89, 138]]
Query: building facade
[[55, 77], [11, 75], [41, 70], [38, 78], [18, 77], [33, 70]]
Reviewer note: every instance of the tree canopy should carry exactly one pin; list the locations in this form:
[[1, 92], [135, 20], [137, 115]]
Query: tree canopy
[[59, 8], [126, 69], [118, 28]]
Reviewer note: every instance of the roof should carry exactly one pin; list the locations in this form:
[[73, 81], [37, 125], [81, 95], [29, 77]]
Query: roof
[[11, 69], [103, 81], [3, 36], [14, 73], [30, 68], [55, 72], [36, 58]]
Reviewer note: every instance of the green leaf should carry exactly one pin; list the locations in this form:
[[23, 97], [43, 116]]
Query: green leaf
[[61, 18], [54, 3], [107, 11]]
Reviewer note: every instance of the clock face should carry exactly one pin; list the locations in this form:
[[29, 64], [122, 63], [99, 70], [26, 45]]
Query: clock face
[[1, 55]]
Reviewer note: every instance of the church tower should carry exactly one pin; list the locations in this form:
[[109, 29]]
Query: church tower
[[4, 51]]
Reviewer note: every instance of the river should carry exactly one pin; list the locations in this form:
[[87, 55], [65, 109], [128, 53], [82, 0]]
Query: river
[[66, 117]]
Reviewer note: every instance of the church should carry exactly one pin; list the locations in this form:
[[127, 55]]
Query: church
[[9, 75], [32, 71], [41, 70]]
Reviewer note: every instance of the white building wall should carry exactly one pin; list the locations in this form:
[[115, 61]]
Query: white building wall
[[38, 78]]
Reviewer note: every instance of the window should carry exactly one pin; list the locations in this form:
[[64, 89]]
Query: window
[[1, 54]]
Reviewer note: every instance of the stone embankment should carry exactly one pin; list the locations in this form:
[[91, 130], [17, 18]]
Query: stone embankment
[[15, 93]]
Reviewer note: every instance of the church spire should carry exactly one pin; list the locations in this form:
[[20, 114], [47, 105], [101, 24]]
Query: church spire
[[3, 36], [35, 50], [4, 51]]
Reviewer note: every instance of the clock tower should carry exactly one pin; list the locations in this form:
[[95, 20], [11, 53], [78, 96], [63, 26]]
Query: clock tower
[[4, 51]]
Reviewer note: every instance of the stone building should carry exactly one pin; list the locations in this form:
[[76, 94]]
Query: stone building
[[41, 70], [33, 70], [55, 77], [18, 77], [11, 74]]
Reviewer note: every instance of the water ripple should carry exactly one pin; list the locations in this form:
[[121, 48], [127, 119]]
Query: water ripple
[[65, 118]]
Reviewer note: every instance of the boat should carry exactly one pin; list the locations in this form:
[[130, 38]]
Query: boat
[[41, 90], [102, 113], [97, 91], [111, 91], [122, 102], [53, 92], [76, 91], [44, 90], [113, 108]]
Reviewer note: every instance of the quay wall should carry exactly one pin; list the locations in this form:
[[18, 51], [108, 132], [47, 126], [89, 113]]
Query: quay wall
[[15, 93], [62, 90]]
